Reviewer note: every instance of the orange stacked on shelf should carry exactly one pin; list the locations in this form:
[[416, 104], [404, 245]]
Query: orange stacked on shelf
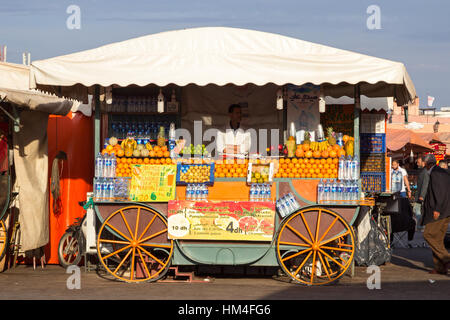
[[124, 164], [231, 168]]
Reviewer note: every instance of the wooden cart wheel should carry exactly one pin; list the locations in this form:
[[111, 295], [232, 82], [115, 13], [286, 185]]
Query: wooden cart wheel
[[3, 239], [315, 246], [132, 244]]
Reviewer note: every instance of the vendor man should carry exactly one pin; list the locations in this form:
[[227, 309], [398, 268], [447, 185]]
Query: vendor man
[[233, 140]]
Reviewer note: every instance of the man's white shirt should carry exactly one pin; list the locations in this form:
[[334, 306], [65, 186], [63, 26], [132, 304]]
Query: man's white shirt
[[239, 137]]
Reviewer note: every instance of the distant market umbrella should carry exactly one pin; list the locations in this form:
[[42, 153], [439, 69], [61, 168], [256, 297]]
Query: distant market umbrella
[[406, 141]]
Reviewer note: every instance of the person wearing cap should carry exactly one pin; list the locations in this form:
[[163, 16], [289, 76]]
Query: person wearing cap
[[436, 217], [233, 140]]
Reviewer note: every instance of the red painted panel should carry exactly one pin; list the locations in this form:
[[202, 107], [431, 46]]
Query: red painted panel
[[73, 134]]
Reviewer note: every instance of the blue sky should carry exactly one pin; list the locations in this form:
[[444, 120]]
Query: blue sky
[[414, 32]]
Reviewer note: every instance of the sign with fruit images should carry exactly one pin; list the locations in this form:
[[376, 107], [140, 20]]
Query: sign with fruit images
[[153, 183], [221, 220]]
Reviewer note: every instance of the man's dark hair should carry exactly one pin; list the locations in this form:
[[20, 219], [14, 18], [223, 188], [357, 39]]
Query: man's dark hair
[[395, 161], [232, 107]]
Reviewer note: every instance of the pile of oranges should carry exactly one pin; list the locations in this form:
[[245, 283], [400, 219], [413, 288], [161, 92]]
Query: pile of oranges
[[236, 168], [305, 151], [124, 165], [159, 152], [307, 168]]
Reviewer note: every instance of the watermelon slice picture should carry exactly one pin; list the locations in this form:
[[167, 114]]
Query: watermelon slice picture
[[248, 224]]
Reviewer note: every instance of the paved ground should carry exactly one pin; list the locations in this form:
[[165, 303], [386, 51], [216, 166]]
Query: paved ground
[[406, 277]]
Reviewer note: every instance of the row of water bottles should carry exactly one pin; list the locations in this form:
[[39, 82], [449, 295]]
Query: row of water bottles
[[348, 168], [105, 166], [104, 189], [197, 192], [287, 204], [260, 192], [343, 191]]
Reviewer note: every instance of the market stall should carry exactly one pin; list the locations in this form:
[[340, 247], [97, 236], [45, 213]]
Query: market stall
[[163, 196]]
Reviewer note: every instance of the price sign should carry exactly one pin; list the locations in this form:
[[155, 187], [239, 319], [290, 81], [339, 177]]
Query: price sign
[[221, 220]]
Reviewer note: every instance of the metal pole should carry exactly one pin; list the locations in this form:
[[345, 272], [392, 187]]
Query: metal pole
[[285, 116], [356, 132], [97, 116]]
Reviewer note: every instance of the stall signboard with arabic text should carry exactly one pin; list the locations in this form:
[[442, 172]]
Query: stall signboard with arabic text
[[221, 220]]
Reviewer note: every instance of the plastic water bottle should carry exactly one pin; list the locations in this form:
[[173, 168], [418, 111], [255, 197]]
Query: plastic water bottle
[[355, 168], [198, 193], [111, 189], [320, 191], [347, 192], [340, 192], [97, 189], [349, 168], [264, 192], [356, 191], [280, 209], [113, 166], [106, 165], [172, 139], [268, 193], [326, 192], [334, 191], [341, 168], [99, 166], [104, 196], [257, 193], [187, 195], [205, 192], [353, 192], [287, 204], [293, 202]]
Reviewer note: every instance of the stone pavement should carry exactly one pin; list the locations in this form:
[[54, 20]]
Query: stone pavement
[[405, 277]]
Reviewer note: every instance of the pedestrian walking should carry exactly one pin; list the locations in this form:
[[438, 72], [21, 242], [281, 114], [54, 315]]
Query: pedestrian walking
[[436, 217], [422, 186]]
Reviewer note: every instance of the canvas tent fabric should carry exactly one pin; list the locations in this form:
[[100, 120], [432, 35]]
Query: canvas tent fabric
[[218, 55], [38, 101], [14, 76], [31, 167]]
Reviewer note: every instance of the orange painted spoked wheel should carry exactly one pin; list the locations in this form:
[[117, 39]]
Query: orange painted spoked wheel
[[132, 244], [3, 239], [315, 246]]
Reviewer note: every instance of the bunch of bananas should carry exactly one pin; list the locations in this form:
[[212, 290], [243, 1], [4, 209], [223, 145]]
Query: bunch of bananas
[[319, 146]]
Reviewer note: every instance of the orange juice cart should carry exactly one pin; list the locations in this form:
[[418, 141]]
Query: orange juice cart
[[178, 78]]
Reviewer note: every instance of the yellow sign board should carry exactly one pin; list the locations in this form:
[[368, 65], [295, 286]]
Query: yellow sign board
[[153, 183]]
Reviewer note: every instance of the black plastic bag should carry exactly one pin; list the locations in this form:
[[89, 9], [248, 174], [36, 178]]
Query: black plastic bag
[[374, 248]]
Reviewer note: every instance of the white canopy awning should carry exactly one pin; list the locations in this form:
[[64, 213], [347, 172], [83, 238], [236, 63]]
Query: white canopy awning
[[14, 76], [383, 103], [38, 101], [221, 56], [14, 87]]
